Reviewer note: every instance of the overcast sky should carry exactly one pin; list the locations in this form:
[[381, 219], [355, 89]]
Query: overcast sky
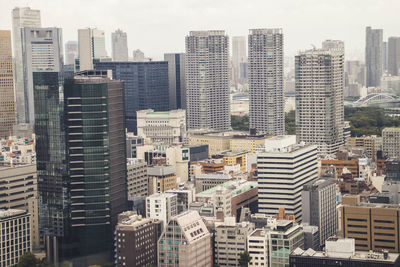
[[159, 26]]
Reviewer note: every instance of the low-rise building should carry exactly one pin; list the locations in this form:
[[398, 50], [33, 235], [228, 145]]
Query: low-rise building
[[206, 181], [132, 142], [137, 180], [258, 248], [238, 157], [340, 165], [162, 206], [161, 179], [391, 142], [184, 198]]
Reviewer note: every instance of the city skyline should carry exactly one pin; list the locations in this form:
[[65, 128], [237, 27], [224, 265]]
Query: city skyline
[[316, 20]]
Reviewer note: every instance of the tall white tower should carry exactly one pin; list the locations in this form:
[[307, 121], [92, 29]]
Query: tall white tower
[[119, 46]]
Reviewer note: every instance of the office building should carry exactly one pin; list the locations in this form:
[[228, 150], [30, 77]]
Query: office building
[[136, 240], [145, 86], [319, 98], [71, 52], [138, 56], [21, 18], [164, 128], [239, 56], [15, 236], [393, 56], [283, 168], [92, 47], [258, 247], [342, 252], [231, 240], [370, 143], [137, 180], [161, 178], [119, 43], [177, 80], [319, 207], [162, 206], [391, 142], [185, 242], [311, 237], [132, 142], [207, 80], [266, 81], [333, 45], [206, 181], [185, 197], [373, 56], [7, 102]]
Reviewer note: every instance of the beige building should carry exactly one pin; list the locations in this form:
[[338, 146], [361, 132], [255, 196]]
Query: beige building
[[370, 143], [137, 177], [246, 142], [216, 142], [7, 103], [206, 181], [161, 179], [258, 247], [233, 158]]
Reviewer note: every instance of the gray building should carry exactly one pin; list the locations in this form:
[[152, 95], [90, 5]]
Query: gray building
[[71, 52], [177, 80], [119, 43], [311, 237], [207, 80], [239, 56], [132, 142], [373, 56], [391, 142], [22, 17], [266, 81], [319, 207], [385, 56], [393, 60]]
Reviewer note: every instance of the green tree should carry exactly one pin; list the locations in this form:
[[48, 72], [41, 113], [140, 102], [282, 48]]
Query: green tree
[[28, 259], [290, 122], [244, 259]]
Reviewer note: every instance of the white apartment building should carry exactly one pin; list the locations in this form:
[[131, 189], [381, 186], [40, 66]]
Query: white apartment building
[[207, 80], [266, 81], [282, 172], [162, 127], [391, 142], [162, 206], [319, 98]]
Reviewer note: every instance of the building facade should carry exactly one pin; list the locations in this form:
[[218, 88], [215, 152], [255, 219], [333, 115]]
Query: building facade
[[258, 247], [239, 57], [161, 178], [162, 206], [119, 41], [177, 80], [266, 81], [391, 142], [92, 47], [373, 56], [71, 52], [137, 180], [207, 80], [393, 56]]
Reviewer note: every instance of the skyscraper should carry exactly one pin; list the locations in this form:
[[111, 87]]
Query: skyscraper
[[71, 52], [319, 98], [333, 44], [7, 103], [177, 80], [145, 86], [385, 56], [239, 55], [22, 17], [119, 46], [41, 51], [373, 56], [207, 80], [138, 56], [394, 56], [266, 81], [92, 46]]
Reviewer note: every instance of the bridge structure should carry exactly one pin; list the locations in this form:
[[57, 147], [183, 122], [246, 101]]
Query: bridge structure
[[376, 98]]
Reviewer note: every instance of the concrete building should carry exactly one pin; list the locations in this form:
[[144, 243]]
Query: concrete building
[[340, 165], [185, 242], [236, 157], [370, 143], [318, 200], [246, 142], [311, 237], [92, 47], [15, 236], [216, 142], [7, 102], [258, 247], [320, 116], [162, 206], [373, 56], [391, 142], [71, 52], [333, 45], [342, 252], [293, 165], [184, 198], [164, 128], [177, 80], [138, 56], [207, 80], [206, 181], [21, 18], [132, 142], [161, 178], [136, 240], [239, 57], [119, 42], [230, 240], [266, 81], [393, 56], [137, 180]]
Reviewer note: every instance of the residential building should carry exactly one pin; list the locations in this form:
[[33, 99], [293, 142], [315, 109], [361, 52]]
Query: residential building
[[92, 47], [258, 247], [15, 236], [266, 81], [137, 180], [391, 142], [342, 252], [207, 80], [136, 240], [145, 86], [319, 207], [320, 115], [373, 56], [22, 17], [161, 178], [284, 167], [7, 102], [206, 181], [177, 80], [185, 242], [162, 206], [393, 56], [230, 241], [119, 43], [71, 52], [340, 165], [165, 128]]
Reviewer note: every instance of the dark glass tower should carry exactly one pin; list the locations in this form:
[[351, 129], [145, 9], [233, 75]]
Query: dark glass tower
[[146, 86]]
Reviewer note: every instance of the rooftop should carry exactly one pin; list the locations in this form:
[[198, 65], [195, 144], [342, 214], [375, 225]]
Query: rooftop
[[4, 214], [237, 187]]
